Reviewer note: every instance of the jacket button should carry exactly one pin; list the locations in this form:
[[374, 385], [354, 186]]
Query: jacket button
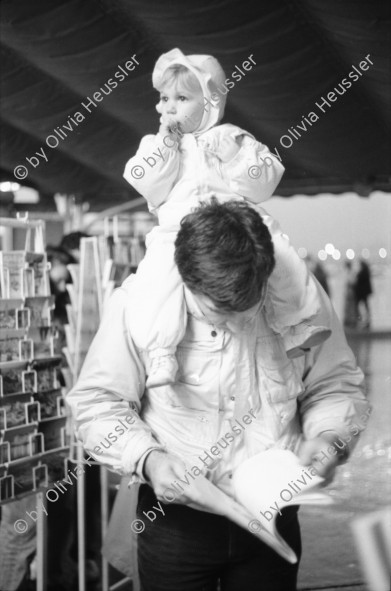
[[213, 333], [232, 398]]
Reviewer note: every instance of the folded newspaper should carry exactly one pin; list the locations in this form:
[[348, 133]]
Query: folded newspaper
[[263, 485], [270, 481]]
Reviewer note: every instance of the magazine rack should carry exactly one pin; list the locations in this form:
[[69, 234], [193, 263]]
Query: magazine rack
[[93, 280], [33, 442], [84, 313]]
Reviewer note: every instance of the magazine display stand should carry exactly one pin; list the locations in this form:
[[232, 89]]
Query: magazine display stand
[[85, 310], [33, 445], [121, 253], [104, 263], [84, 313]]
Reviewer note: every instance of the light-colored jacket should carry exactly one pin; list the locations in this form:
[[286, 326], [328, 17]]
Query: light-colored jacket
[[177, 178], [174, 178], [223, 376]]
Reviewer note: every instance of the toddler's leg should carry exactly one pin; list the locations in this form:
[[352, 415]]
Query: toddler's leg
[[157, 315], [293, 302]]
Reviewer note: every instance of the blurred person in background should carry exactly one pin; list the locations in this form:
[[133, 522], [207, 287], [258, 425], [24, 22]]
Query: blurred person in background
[[71, 244], [350, 308], [319, 271], [362, 291], [59, 276]]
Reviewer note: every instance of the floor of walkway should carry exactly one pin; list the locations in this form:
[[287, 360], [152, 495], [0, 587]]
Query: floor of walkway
[[329, 556]]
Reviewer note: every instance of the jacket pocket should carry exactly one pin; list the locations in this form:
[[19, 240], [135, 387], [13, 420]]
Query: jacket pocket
[[198, 383], [197, 368], [199, 354], [277, 374]]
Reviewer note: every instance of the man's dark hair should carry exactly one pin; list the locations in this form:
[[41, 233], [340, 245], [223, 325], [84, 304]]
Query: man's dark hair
[[225, 251], [71, 241], [56, 254]]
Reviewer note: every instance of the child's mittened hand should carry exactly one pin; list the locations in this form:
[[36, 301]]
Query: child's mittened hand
[[168, 127], [227, 149]]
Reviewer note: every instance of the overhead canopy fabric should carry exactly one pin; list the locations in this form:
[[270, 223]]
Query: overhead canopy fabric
[[57, 53]]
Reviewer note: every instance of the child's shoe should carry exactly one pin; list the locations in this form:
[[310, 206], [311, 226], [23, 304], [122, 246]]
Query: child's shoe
[[303, 337], [163, 371]]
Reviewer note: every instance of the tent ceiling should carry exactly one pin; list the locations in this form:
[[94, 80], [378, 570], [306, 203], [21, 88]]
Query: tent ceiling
[[56, 53]]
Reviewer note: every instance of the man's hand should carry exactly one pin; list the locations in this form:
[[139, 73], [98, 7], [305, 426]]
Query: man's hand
[[162, 468], [314, 452]]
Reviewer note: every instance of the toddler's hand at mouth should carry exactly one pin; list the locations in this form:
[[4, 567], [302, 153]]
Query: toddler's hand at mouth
[[170, 127]]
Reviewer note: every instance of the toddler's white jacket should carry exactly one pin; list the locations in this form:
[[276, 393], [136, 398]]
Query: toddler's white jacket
[[175, 177]]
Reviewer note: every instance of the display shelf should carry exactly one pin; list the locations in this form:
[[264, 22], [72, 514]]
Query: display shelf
[[9, 309], [105, 262], [34, 444], [12, 364], [32, 414], [14, 411], [84, 310], [23, 442], [23, 274], [23, 479], [63, 449], [37, 473]]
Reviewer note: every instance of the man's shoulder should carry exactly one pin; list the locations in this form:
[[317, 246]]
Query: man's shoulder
[[116, 302], [126, 285]]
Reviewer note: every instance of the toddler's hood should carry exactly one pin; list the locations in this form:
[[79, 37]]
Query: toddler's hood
[[210, 75]]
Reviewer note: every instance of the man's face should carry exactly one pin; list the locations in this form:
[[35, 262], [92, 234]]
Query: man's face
[[232, 321], [59, 275], [178, 105]]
